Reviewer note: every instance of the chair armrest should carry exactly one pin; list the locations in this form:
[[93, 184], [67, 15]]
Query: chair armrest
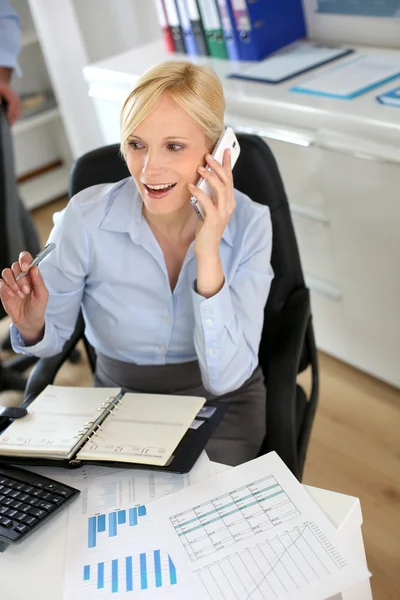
[[282, 370], [46, 369]]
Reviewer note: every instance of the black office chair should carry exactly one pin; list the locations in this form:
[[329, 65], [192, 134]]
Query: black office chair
[[287, 343]]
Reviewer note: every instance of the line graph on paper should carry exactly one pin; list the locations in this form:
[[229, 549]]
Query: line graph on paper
[[237, 515], [274, 569]]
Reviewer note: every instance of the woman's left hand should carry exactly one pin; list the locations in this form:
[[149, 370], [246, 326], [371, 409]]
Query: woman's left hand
[[209, 232]]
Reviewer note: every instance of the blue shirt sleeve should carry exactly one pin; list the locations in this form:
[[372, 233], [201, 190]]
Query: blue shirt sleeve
[[64, 272], [228, 325], [9, 36]]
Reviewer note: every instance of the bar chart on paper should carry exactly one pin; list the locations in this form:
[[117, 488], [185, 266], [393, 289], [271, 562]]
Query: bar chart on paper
[[151, 570], [227, 519], [109, 524]]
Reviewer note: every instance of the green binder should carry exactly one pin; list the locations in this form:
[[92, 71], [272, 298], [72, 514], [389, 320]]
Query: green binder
[[212, 28]]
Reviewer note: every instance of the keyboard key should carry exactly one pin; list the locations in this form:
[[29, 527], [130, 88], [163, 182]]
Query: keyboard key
[[33, 501], [55, 499], [64, 492], [6, 491], [3, 510], [15, 504], [47, 506], [21, 528], [27, 489], [29, 520], [24, 507], [6, 522], [19, 516], [37, 512], [50, 487], [1, 497], [16, 485], [38, 484], [4, 481], [11, 513], [22, 497], [14, 493], [7, 501]]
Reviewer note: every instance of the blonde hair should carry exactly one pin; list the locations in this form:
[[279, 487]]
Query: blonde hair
[[195, 88]]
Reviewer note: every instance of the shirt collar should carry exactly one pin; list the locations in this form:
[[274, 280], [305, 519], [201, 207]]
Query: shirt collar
[[124, 212]]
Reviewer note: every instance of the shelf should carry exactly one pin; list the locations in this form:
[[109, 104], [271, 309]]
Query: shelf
[[28, 38], [44, 188], [37, 120]]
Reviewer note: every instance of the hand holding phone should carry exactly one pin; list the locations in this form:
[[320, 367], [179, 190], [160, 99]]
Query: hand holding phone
[[227, 141]]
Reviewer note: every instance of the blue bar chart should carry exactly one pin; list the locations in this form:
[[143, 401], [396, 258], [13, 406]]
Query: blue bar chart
[[110, 522], [145, 571]]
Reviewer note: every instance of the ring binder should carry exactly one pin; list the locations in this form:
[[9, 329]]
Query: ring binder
[[154, 431]]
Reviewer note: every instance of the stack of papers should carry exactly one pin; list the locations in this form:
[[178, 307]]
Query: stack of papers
[[251, 532]]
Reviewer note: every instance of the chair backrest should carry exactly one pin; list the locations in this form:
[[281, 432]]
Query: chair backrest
[[257, 175]]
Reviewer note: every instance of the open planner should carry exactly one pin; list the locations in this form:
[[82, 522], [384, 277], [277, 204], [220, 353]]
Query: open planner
[[71, 426]]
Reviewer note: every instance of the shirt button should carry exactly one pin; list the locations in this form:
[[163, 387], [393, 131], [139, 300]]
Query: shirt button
[[208, 311], [211, 352], [208, 322], [163, 348], [168, 321]]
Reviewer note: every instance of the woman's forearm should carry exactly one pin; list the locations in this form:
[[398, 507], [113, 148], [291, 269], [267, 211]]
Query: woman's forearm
[[210, 275]]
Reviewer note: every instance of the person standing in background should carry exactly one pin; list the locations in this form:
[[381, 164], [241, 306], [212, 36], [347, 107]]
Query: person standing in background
[[17, 229], [9, 50]]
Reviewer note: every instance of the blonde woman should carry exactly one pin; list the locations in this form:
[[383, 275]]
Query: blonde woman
[[171, 304]]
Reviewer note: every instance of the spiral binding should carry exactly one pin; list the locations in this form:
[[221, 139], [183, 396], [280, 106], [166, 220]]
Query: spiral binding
[[91, 428]]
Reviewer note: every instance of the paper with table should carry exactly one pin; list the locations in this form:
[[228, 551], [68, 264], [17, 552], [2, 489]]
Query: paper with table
[[112, 546], [253, 532], [353, 77]]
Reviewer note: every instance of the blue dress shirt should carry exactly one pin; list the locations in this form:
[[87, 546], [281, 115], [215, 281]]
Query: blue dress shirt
[[9, 36], [108, 262]]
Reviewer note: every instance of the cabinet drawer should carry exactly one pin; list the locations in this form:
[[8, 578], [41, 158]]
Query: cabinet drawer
[[315, 246]]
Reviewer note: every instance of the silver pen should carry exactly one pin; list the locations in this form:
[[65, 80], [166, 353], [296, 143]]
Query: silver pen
[[46, 250]]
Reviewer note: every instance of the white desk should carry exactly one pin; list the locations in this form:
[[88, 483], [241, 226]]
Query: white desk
[[35, 568]]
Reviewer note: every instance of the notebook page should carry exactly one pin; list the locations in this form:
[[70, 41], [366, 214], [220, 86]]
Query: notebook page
[[53, 421], [145, 429]]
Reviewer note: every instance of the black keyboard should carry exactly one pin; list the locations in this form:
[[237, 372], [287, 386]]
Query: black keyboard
[[27, 501]]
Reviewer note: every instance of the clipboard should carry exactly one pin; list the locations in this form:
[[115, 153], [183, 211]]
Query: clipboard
[[292, 62]]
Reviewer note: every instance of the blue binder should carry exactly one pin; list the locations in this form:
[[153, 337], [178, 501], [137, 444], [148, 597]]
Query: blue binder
[[231, 35], [266, 26], [187, 30]]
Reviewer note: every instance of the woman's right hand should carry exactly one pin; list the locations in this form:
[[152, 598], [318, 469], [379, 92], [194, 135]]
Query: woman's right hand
[[25, 301]]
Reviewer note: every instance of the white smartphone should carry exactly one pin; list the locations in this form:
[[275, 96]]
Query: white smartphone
[[227, 140]]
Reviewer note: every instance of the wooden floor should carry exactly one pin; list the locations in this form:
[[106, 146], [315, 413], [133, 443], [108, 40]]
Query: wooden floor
[[354, 449]]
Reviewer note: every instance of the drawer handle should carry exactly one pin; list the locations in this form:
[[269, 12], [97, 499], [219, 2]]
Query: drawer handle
[[271, 132], [323, 289], [358, 154], [309, 215]]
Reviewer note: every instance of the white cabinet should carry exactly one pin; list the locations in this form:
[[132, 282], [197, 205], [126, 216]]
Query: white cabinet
[[39, 140], [340, 163]]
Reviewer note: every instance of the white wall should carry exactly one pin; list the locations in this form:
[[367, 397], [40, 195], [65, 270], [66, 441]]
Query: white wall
[[351, 30], [113, 26]]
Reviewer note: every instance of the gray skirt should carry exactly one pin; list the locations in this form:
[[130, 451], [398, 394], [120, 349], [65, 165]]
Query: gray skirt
[[239, 436]]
